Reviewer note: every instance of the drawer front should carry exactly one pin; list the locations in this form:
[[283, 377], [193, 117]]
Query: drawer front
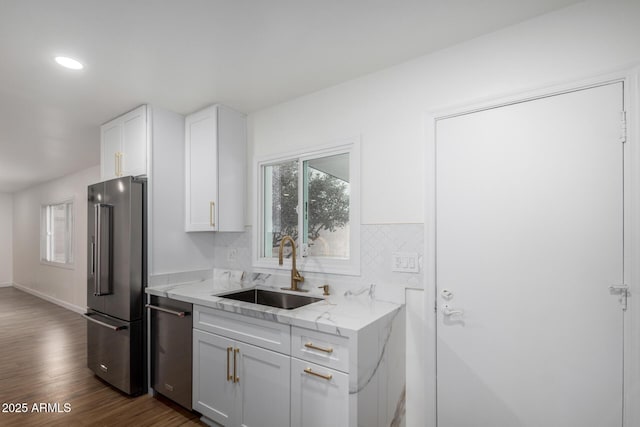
[[319, 395], [324, 349], [116, 356], [262, 333]]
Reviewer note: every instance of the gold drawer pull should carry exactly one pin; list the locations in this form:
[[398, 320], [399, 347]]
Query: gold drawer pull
[[212, 208], [326, 377], [314, 347], [236, 378], [229, 350]]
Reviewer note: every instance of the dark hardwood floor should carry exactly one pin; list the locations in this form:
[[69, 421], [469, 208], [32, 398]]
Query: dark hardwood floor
[[43, 361]]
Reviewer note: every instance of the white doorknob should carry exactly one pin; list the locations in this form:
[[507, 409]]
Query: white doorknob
[[446, 310]]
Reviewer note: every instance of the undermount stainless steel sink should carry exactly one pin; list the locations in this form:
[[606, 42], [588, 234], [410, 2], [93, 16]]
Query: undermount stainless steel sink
[[271, 299]]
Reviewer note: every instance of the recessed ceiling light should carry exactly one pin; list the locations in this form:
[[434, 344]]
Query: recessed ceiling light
[[69, 63]]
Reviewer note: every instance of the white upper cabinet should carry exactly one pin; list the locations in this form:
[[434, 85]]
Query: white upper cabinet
[[123, 145], [110, 147], [201, 156], [215, 170]]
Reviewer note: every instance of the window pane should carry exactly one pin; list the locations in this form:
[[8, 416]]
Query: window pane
[[326, 192], [69, 242], [59, 226], [280, 205], [57, 233]]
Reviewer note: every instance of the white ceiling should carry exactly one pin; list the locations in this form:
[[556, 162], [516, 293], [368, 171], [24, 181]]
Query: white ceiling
[[186, 54]]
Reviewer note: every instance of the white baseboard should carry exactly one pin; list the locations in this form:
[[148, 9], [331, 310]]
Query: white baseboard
[[49, 298], [6, 285]]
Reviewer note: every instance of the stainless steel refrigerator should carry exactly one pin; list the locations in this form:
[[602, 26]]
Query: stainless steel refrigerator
[[116, 277]]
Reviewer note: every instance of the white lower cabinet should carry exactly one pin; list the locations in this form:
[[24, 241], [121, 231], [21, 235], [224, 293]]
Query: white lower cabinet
[[264, 387], [319, 395], [238, 384], [214, 395], [253, 372]]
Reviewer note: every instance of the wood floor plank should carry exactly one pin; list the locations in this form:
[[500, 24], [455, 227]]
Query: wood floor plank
[[43, 361]]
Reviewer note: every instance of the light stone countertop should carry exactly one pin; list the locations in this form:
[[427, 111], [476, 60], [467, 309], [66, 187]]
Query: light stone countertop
[[336, 314]]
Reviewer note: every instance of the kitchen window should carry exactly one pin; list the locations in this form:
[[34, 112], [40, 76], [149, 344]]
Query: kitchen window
[[314, 198], [56, 233]]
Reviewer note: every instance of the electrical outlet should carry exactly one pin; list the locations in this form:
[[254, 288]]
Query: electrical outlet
[[232, 254], [405, 262]]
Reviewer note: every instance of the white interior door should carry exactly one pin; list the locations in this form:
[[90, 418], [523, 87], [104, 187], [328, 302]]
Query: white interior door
[[529, 237]]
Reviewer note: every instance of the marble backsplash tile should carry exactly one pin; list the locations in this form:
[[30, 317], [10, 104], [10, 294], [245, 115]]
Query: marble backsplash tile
[[180, 277], [378, 243]]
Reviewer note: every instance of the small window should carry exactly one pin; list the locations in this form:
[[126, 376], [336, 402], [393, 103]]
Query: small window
[[56, 235], [280, 189], [326, 207], [313, 198]]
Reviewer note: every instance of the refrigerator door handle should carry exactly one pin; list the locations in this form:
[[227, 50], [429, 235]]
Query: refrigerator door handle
[[106, 325], [96, 232], [93, 258], [102, 229]]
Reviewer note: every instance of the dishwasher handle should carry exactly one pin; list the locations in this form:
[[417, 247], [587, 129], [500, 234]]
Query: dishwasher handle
[[166, 310]]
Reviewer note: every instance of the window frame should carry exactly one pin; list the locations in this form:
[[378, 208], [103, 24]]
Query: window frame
[[345, 266], [46, 247]]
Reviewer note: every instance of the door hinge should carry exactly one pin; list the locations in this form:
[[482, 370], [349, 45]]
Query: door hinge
[[623, 126], [623, 291]]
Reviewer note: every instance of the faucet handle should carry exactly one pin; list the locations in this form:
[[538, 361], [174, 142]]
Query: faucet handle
[[325, 289]]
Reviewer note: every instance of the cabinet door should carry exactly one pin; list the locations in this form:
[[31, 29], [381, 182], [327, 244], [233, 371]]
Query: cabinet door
[[264, 387], [110, 146], [214, 394], [201, 180], [318, 400], [134, 142]]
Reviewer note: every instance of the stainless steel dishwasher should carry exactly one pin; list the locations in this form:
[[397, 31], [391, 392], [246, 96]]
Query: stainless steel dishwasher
[[171, 349]]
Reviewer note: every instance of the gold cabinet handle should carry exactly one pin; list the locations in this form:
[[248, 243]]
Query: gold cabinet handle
[[118, 163], [229, 377], [326, 377], [236, 378], [315, 347], [212, 210]]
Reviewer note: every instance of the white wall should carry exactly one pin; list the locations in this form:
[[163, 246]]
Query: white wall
[[61, 285], [6, 239], [389, 109], [171, 249]]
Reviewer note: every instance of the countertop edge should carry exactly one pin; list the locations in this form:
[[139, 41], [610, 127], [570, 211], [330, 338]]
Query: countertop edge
[[336, 315]]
